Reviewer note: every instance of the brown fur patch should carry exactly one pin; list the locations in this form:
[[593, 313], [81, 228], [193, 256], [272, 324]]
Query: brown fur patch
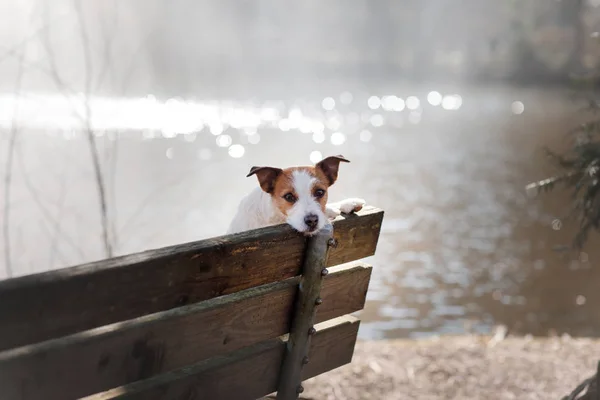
[[329, 166], [284, 184]]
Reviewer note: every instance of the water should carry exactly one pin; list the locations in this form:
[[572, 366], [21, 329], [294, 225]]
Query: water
[[462, 246]]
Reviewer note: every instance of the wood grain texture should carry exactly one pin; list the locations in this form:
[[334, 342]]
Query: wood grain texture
[[246, 374], [309, 290], [337, 293], [117, 354], [49, 305], [357, 236]]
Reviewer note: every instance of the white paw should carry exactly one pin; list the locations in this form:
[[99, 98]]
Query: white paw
[[332, 211], [349, 206]]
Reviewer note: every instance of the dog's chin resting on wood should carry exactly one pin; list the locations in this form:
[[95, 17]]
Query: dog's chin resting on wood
[[296, 196]]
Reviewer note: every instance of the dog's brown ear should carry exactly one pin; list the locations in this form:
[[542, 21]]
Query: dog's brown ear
[[330, 166], [266, 177]]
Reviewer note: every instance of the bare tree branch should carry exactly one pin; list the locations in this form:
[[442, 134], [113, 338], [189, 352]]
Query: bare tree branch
[[37, 66], [100, 185], [45, 211], [18, 48], [43, 224], [14, 131], [56, 231], [109, 34], [112, 178], [152, 196]]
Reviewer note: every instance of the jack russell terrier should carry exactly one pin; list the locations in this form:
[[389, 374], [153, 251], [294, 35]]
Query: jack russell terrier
[[296, 195]]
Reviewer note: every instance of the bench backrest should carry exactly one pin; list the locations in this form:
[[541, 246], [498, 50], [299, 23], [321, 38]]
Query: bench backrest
[[204, 320]]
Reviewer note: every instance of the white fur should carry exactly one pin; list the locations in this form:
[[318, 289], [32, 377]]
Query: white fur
[[305, 204], [347, 206], [256, 210]]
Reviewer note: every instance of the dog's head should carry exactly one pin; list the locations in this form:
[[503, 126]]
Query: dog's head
[[300, 193]]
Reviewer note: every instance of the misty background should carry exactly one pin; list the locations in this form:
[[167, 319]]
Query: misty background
[[130, 125]]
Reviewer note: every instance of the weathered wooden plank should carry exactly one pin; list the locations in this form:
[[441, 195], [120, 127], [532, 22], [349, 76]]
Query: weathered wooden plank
[[333, 291], [307, 302], [246, 374], [356, 236], [53, 304], [323, 358], [113, 355]]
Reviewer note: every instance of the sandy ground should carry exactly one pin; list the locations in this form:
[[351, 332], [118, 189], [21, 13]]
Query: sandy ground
[[461, 368]]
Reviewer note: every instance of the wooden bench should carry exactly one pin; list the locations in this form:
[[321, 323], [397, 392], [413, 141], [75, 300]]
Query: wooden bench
[[233, 317]]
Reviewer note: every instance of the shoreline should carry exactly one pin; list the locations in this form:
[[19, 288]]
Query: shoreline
[[461, 367]]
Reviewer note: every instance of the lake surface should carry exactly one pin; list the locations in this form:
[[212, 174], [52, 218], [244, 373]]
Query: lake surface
[[463, 248]]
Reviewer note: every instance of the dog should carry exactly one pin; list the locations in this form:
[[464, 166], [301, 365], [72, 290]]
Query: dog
[[296, 196]]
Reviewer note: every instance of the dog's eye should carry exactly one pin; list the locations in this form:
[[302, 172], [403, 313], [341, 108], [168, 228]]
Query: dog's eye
[[319, 193], [289, 197]]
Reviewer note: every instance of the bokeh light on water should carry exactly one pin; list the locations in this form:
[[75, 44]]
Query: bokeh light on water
[[457, 236], [194, 95]]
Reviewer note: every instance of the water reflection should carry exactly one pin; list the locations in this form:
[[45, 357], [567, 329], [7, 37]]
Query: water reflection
[[365, 136], [412, 102], [346, 98], [434, 98], [462, 247], [237, 151], [517, 107], [315, 156], [338, 138], [374, 102], [451, 102], [328, 103]]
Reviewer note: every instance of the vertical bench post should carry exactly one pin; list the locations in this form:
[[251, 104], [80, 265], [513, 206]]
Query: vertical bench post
[[307, 301]]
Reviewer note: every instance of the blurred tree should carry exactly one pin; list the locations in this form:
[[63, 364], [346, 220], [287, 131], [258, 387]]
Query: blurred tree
[[579, 165], [570, 16], [534, 28]]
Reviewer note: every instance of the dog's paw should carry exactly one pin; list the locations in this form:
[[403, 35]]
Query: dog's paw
[[332, 212], [352, 205], [347, 206]]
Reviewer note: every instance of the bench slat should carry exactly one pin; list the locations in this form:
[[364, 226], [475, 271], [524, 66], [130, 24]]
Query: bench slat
[[49, 305], [124, 352], [246, 374]]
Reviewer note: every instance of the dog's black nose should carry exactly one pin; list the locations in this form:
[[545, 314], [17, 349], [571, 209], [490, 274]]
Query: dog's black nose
[[311, 220]]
